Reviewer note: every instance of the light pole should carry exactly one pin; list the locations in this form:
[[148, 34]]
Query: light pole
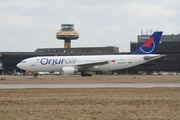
[[2, 77]]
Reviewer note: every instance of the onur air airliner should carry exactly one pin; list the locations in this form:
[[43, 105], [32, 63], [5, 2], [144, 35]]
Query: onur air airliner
[[69, 65]]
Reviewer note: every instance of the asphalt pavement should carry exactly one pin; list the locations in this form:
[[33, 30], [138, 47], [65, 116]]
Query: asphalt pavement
[[91, 85]]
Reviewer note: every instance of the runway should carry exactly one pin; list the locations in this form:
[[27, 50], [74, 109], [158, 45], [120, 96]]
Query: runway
[[93, 85]]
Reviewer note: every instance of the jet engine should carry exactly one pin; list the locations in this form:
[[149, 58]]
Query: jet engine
[[69, 70]]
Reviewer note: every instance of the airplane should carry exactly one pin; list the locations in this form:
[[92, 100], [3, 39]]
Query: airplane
[[69, 65]]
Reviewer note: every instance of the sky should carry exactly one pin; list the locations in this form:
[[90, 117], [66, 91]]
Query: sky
[[26, 25]]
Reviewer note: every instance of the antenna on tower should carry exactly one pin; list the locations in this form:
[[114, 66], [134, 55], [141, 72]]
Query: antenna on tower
[[150, 32], [147, 32]]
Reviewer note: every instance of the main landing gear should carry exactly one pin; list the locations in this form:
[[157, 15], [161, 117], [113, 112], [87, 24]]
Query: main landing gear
[[83, 74]]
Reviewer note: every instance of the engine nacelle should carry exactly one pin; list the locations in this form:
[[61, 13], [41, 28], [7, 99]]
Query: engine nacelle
[[69, 70]]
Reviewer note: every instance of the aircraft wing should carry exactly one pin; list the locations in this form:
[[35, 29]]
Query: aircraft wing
[[92, 64]]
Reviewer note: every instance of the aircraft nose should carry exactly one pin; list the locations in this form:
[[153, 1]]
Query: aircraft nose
[[19, 65]]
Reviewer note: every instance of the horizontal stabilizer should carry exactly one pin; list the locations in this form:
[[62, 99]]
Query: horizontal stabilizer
[[152, 57]]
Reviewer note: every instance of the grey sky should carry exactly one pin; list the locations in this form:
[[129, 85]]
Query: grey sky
[[30, 24]]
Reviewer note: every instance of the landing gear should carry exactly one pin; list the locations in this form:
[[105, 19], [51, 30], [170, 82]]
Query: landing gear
[[35, 75], [85, 74]]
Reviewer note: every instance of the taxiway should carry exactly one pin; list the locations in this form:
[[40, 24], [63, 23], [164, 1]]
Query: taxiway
[[91, 85]]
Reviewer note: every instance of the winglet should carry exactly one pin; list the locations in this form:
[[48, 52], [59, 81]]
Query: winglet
[[150, 46]]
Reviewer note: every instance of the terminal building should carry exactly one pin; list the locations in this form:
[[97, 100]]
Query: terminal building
[[169, 46]]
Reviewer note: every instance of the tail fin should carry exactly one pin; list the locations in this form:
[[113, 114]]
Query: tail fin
[[149, 47]]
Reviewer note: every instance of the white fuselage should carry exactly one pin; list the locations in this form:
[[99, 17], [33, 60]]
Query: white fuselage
[[56, 63]]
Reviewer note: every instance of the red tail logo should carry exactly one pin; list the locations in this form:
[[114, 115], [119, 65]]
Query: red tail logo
[[149, 43]]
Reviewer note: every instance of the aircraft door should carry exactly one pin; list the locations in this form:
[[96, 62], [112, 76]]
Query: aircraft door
[[34, 64]]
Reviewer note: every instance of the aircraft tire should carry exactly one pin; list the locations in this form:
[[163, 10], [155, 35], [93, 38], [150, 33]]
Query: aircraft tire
[[83, 75]]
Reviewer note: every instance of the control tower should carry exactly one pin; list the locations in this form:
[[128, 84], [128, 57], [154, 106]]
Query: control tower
[[67, 33]]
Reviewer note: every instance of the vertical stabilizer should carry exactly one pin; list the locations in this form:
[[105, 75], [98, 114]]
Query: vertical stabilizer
[[150, 46]]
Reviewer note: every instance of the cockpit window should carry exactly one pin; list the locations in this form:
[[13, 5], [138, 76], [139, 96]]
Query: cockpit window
[[23, 61]]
